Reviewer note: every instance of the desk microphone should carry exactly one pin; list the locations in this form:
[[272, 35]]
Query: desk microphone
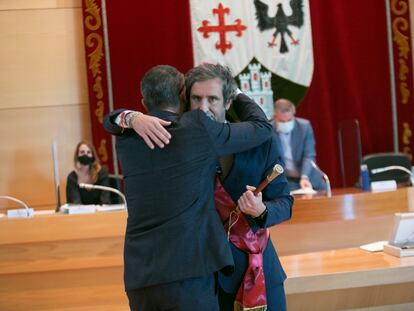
[[105, 188], [394, 167], [325, 177], [16, 213]]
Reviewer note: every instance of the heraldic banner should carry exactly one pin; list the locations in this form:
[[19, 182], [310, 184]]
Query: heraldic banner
[[329, 57]]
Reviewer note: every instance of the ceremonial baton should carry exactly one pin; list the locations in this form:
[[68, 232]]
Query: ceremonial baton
[[277, 170]]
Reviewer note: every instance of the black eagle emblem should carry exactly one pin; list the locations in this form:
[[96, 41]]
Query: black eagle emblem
[[280, 21]]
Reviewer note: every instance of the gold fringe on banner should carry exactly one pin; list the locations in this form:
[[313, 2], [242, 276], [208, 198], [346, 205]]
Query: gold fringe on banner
[[238, 307]]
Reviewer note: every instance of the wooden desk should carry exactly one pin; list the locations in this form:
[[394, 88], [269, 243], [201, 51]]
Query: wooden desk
[[341, 221], [348, 279], [74, 262], [63, 262]]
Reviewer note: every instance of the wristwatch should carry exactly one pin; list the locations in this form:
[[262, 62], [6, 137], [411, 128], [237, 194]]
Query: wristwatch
[[129, 117]]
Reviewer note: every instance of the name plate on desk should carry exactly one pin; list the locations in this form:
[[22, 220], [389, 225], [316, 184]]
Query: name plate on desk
[[110, 207], [384, 185], [20, 213], [78, 209]]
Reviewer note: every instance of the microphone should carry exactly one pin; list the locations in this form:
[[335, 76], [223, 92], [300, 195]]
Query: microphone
[[325, 177], [26, 212], [394, 167], [105, 188], [56, 175]]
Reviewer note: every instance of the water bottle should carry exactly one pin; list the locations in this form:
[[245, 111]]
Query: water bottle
[[364, 177]]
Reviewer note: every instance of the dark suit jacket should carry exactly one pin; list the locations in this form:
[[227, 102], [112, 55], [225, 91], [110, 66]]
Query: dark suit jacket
[[173, 230], [251, 168]]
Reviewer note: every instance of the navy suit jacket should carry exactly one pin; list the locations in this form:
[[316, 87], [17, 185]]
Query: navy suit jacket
[[173, 230], [251, 168]]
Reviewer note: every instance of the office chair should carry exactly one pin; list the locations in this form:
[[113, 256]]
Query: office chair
[[381, 160], [350, 154]]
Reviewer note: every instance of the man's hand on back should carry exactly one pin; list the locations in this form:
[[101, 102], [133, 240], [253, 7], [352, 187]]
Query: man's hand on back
[[151, 129]]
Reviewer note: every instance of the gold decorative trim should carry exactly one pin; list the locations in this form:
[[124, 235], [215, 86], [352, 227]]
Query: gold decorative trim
[[400, 24], [95, 16], [406, 139], [99, 111], [95, 57], [403, 7], [94, 41], [405, 92], [239, 307], [97, 87]]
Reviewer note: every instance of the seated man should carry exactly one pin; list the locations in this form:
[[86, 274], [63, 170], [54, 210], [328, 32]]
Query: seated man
[[295, 137]]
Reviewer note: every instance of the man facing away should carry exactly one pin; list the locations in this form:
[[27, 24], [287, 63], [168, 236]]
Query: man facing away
[[295, 136], [274, 205], [174, 239]]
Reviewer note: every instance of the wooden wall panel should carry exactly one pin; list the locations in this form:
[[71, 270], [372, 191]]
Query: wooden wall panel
[[42, 58], [26, 163], [38, 4], [43, 96]]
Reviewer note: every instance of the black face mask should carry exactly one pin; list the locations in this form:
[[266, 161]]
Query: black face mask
[[85, 160]]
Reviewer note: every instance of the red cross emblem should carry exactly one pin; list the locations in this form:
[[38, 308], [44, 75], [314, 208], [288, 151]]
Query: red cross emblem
[[222, 28]]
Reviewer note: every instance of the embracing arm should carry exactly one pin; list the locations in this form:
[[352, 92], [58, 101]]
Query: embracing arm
[[228, 138], [151, 129]]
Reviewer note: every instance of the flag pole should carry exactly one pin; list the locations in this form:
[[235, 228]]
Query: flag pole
[[392, 77]]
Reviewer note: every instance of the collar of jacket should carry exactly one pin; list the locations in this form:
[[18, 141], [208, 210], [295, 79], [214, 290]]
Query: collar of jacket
[[165, 115]]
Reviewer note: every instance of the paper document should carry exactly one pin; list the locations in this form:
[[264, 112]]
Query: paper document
[[374, 247], [303, 191]]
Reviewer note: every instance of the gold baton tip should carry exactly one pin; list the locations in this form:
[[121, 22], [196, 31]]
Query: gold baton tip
[[278, 168]]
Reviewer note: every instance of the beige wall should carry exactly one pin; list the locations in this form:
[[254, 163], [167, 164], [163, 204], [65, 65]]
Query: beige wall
[[43, 95]]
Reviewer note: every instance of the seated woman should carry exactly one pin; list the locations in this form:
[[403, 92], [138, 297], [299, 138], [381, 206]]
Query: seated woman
[[88, 171]]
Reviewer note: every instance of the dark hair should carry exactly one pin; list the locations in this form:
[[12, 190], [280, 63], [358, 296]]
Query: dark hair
[[161, 87], [208, 72]]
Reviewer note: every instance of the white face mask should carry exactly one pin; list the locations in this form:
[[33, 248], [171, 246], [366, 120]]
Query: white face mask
[[285, 127]]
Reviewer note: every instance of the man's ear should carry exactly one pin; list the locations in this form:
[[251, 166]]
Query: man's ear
[[144, 105]]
